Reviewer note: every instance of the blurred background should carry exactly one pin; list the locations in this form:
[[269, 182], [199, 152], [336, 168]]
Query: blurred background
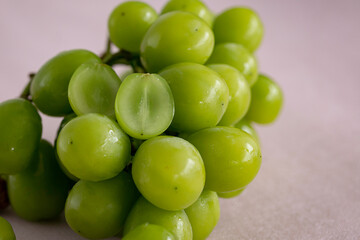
[[309, 183]]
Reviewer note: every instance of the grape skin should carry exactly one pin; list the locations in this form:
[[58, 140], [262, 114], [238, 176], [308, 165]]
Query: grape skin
[[176, 37], [169, 172], [46, 183], [6, 230], [149, 232], [49, 88], [93, 147], [20, 133], [176, 222], [232, 157]]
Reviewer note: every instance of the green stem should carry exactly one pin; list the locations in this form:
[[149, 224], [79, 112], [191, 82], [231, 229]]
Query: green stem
[[122, 57], [107, 54], [25, 94]]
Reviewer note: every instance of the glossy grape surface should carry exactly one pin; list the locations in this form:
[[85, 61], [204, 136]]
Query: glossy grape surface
[[204, 214], [128, 24], [98, 210], [266, 101], [176, 37], [149, 232], [49, 88], [20, 133], [144, 105], [93, 147], [239, 93], [39, 192], [169, 172], [6, 230], [193, 6], [245, 125], [239, 25], [175, 222], [201, 96], [230, 194], [93, 88], [237, 56], [232, 157], [65, 120]]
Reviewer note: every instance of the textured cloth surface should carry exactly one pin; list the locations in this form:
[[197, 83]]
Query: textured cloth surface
[[309, 183]]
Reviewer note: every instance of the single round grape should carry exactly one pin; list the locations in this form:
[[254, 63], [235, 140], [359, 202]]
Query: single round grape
[[232, 157], [176, 222], [200, 95], [98, 210], [144, 105], [266, 101], [93, 147], [237, 56], [49, 88], [148, 231], [169, 172], [245, 125], [39, 192], [240, 93], [128, 24], [230, 194], [20, 133], [93, 88], [6, 230], [204, 214], [176, 37], [193, 6], [239, 25]]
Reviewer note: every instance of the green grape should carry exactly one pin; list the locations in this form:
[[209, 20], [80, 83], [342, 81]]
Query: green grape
[[7, 232], [49, 88], [266, 101], [200, 95], [176, 222], [237, 56], [169, 172], [93, 88], [128, 24], [193, 6], [232, 157], [239, 25], [204, 214], [93, 147], [240, 93], [65, 120], [39, 192], [20, 133], [176, 37], [144, 105], [230, 194], [245, 125], [98, 210], [148, 231]]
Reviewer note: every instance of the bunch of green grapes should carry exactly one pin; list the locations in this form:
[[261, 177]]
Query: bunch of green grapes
[[148, 155]]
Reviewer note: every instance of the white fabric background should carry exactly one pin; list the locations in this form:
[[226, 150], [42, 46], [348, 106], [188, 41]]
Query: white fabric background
[[309, 185]]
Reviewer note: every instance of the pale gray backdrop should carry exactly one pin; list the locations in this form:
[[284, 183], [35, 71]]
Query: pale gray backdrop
[[308, 186]]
